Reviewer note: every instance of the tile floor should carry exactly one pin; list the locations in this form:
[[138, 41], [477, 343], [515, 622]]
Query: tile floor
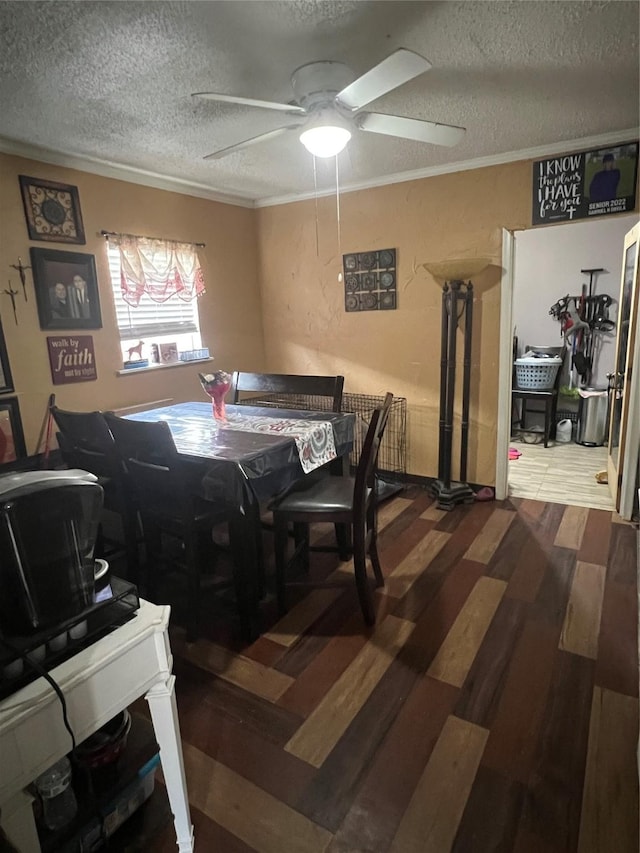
[[560, 473]]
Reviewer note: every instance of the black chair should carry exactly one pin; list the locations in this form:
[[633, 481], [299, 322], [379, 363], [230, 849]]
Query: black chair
[[166, 489], [548, 399], [349, 502], [86, 442], [282, 389], [285, 390]]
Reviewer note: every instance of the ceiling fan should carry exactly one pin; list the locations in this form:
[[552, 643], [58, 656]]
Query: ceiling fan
[[328, 101]]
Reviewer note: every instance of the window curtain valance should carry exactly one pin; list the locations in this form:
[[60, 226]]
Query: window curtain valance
[[159, 268]]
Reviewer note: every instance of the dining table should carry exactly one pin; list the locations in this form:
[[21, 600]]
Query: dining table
[[251, 456]]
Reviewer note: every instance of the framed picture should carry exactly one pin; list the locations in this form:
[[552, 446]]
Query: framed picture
[[6, 382], [52, 210], [12, 445], [66, 289], [168, 353]]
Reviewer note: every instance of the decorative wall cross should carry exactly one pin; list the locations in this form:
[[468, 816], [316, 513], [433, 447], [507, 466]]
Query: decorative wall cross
[[21, 271], [13, 293]]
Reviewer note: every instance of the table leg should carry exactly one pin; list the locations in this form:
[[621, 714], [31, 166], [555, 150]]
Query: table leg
[[164, 714], [248, 565]]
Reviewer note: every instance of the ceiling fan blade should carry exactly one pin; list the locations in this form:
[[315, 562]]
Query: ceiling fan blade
[[250, 102], [270, 134], [411, 128], [398, 68]]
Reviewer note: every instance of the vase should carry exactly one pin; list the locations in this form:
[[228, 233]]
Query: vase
[[218, 403]]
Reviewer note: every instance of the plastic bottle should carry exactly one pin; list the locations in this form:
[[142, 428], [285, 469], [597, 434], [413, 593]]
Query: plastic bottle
[[59, 805], [563, 431]]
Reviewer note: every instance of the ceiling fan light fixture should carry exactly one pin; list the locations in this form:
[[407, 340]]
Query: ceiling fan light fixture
[[325, 140]]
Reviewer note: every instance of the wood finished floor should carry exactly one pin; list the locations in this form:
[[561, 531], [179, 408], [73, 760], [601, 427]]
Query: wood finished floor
[[560, 473], [494, 706]]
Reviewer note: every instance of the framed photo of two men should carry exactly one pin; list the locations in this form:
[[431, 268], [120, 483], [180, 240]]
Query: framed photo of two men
[[66, 289]]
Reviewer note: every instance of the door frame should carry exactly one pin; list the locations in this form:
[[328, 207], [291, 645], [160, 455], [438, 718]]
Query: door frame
[[630, 429], [632, 439], [505, 366]]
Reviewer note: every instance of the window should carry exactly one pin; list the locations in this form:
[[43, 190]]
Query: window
[[173, 320]]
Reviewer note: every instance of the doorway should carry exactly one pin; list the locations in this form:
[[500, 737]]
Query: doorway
[[542, 265]]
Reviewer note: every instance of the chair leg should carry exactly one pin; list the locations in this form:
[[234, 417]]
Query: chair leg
[[343, 538], [130, 527], [362, 584], [547, 422], [301, 534], [152, 558], [375, 560], [192, 555], [554, 415]]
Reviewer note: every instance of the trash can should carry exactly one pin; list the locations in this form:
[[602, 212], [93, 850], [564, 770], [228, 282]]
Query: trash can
[[592, 417]]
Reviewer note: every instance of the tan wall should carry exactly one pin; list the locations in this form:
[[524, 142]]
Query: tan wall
[[273, 297], [308, 330], [230, 313]]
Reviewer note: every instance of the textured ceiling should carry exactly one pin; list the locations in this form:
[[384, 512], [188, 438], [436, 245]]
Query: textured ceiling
[[111, 81]]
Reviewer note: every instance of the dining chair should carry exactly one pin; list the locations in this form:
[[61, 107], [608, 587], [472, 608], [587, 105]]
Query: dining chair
[[86, 442], [286, 390], [166, 488], [316, 392], [349, 502]]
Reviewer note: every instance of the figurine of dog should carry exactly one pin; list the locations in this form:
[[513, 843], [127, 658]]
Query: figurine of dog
[[136, 350]]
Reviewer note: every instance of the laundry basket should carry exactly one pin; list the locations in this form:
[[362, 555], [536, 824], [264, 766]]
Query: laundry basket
[[536, 374]]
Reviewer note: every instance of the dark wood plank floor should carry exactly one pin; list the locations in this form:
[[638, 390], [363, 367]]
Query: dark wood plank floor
[[494, 706]]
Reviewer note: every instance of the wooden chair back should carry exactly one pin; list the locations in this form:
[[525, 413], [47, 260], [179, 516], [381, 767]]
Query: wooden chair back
[[86, 442], [364, 486], [165, 486], [271, 388], [154, 467]]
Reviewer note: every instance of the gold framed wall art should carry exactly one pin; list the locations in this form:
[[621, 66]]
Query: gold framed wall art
[[52, 211]]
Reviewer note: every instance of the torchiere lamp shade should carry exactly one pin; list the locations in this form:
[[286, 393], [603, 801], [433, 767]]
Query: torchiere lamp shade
[[457, 269]]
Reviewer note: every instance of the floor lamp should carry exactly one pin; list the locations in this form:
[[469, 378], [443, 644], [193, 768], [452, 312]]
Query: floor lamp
[[457, 309]]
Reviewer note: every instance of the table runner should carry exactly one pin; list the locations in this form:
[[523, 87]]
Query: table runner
[[314, 440]]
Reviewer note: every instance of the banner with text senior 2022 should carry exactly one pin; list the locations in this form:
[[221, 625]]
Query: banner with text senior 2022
[[585, 184]]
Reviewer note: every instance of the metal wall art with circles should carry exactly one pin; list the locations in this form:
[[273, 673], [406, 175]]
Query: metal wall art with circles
[[370, 280]]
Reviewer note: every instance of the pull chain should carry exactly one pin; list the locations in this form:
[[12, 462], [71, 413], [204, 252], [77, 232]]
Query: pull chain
[[315, 190], [338, 209]]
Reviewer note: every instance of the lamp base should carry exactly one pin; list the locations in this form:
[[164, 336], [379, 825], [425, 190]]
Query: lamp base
[[448, 497]]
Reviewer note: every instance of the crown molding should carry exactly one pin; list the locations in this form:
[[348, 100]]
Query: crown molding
[[133, 175], [540, 151], [107, 169]]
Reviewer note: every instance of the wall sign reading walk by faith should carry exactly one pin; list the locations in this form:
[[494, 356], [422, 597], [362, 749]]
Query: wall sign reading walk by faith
[[72, 359], [585, 184]]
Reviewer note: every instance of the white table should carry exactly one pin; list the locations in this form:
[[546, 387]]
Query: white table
[[97, 683]]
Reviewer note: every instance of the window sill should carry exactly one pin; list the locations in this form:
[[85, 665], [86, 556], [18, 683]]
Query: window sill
[[135, 371]]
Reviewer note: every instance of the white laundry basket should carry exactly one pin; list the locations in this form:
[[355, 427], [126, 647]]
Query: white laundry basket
[[536, 374]]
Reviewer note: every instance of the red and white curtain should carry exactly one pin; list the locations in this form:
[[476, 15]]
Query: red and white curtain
[[159, 268]]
